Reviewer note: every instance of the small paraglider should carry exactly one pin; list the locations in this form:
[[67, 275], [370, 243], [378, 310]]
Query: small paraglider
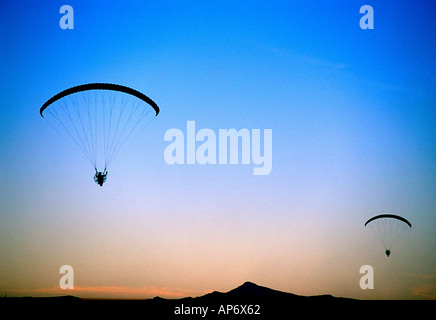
[[387, 228], [99, 119]]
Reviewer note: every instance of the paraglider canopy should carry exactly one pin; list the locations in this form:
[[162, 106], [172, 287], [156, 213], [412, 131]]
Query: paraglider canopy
[[387, 228], [100, 86], [99, 119], [386, 215]]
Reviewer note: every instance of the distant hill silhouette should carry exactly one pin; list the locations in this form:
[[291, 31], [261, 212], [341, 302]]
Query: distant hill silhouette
[[248, 301]]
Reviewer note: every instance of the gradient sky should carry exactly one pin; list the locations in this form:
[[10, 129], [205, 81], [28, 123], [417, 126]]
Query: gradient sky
[[353, 114]]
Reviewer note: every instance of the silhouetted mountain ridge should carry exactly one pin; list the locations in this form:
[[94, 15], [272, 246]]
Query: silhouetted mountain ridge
[[248, 297], [252, 289]]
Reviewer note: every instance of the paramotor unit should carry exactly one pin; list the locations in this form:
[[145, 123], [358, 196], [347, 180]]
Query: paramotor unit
[[99, 119], [387, 228]]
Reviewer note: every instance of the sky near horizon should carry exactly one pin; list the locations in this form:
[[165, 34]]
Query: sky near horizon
[[353, 120]]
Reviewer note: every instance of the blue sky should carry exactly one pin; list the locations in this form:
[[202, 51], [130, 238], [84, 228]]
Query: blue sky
[[353, 119]]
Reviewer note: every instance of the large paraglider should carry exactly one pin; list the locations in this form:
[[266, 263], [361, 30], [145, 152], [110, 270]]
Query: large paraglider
[[387, 228], [99, 118]]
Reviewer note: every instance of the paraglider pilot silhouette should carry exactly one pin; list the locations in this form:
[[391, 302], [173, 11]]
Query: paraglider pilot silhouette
[[98, 119], [100, 177]]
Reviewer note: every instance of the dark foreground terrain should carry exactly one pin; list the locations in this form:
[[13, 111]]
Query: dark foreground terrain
[[248, 301]]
